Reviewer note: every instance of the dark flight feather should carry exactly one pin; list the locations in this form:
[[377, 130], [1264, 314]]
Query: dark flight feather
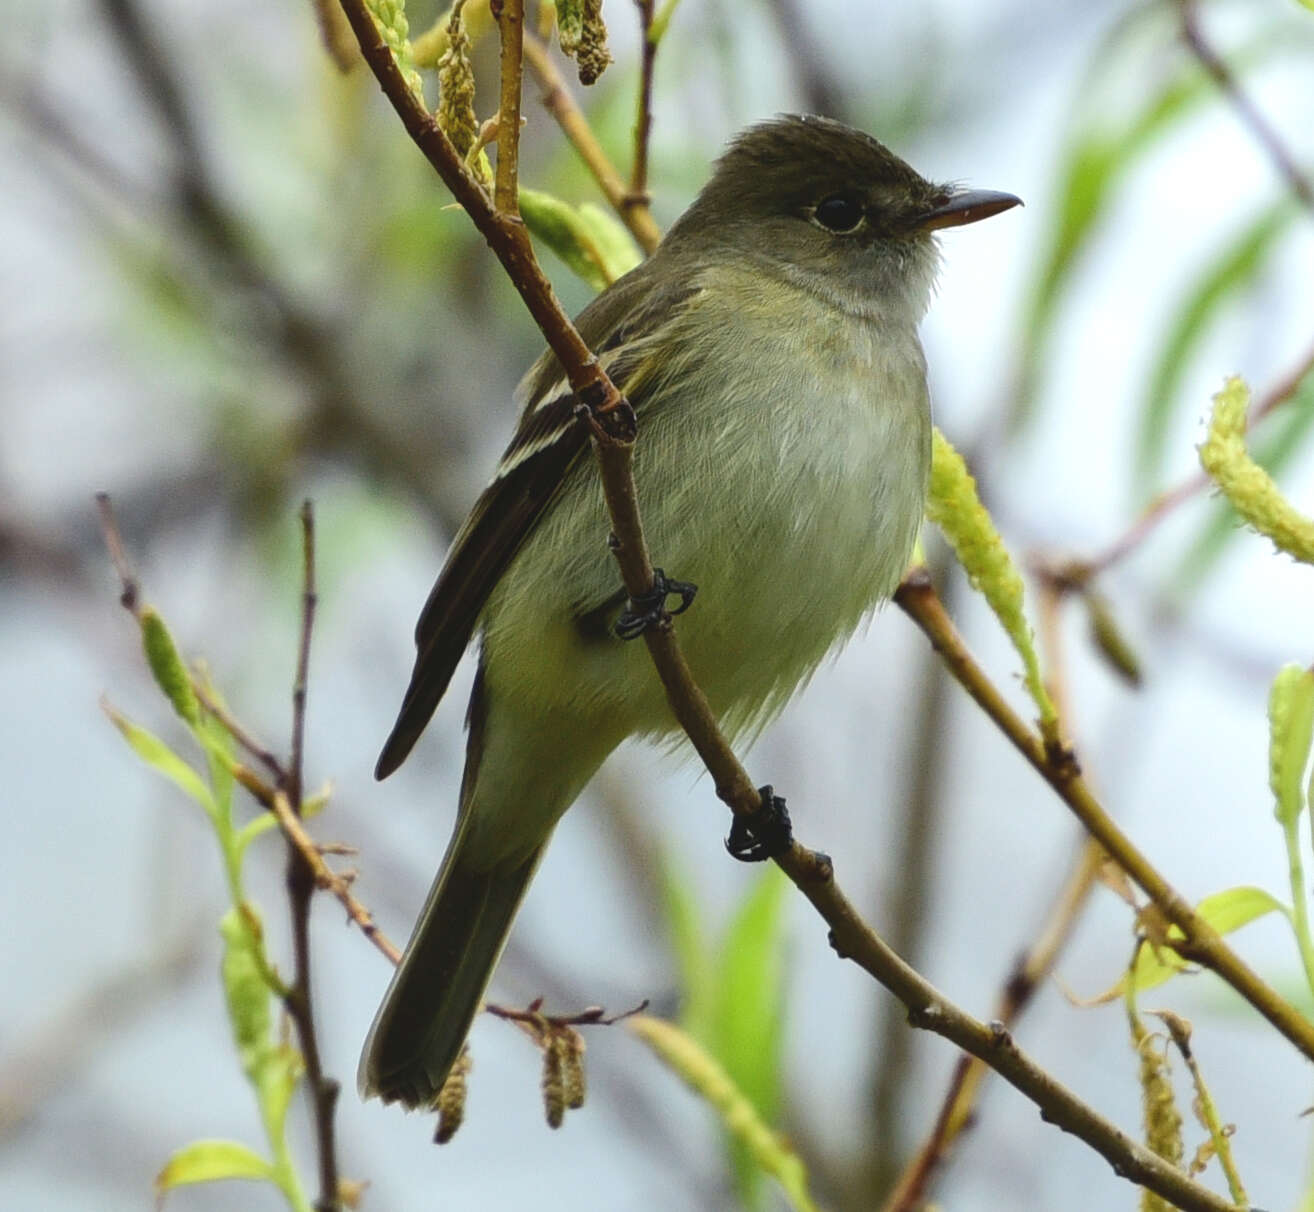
[[547, 442]]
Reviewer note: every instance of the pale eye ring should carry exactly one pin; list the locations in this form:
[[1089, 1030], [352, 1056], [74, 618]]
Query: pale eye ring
[[838, 213]]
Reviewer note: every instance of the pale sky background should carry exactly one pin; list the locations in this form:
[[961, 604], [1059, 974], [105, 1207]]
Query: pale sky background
[[105, 867]]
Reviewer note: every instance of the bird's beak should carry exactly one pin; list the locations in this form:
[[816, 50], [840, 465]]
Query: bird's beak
[[967, 206]]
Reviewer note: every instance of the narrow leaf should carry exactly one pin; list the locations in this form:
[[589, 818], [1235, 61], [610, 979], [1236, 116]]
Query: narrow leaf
[[708, 1078], [1235, 265], [562, 228], [208, 1161], [1225, 911], [157, 755], [692, 953], [749, 1009]]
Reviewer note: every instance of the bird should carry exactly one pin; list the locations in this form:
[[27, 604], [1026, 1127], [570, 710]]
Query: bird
[[769, 348]]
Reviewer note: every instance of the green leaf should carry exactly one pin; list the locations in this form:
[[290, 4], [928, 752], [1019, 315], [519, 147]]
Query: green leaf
[[692, 954], [256, 827], [615, 246], [218, 745], [748, 1010], [160, 758], [733, 998], [1097, 160], [1234, 266], [707, 1077], [167, 666], [1225, 911], [246, 991], [208, 1161], [592, 245], [280, 1069]]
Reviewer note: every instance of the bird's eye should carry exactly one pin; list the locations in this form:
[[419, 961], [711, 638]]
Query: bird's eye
[[839, 213]]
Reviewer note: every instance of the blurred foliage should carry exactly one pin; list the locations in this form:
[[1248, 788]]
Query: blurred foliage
[[1109, 139], [733, 1000]]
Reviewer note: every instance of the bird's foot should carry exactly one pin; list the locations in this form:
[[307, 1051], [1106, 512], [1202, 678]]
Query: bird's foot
[[649, 609], [763, 833]]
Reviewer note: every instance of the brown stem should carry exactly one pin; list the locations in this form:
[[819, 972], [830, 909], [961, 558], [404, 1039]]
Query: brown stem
[[309, 600], [638, 193], [510, 16], [992, 1043], [325, 877], [561, 104], [1201, 942], [300, 880], [260, 752]]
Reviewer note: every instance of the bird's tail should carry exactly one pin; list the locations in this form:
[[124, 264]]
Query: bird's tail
[[436, 990]]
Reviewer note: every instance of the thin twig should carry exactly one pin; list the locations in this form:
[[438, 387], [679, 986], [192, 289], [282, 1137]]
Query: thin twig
[[309, 600], [130, 597], [927, 1008], [129, 586], [638, 191], [1078, 572], [1201, 942], [1268, 138], [300, 879], [510, 16], [612, 423], [960, 1098], [328, 879], [591, 1016], [260, 752], [561, 104]]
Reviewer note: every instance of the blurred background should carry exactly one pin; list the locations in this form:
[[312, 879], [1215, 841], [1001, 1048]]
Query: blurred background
[[229, 282]]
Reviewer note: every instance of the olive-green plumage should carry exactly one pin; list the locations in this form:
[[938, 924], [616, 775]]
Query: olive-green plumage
[[770, 349]]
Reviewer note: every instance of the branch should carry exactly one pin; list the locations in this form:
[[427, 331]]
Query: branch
[[561, 104], [638, 192], [510, 16], [993, 1044], [1246, 109], [300, 879], [325, 876], [1201, 942]]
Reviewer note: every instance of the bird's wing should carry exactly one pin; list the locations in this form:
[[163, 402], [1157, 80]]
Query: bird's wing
[[547, 442]]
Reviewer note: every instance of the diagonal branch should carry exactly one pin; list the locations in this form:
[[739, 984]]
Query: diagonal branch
[[1201, 943], [1268, 138]]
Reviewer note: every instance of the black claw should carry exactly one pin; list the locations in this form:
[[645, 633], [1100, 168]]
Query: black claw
[[649, 609], [762, 834]]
